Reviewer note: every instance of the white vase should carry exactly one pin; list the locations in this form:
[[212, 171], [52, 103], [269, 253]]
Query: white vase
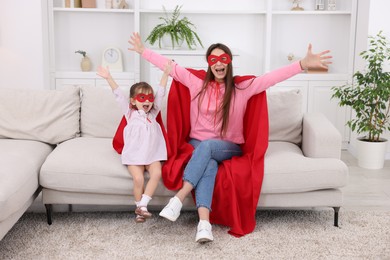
[[371, 155], [168, 44]]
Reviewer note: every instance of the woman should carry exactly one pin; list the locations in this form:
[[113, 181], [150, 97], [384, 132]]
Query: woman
[[217, 110]]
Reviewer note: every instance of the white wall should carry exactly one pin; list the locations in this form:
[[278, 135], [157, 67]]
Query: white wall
[[379, 21], [21, 44]]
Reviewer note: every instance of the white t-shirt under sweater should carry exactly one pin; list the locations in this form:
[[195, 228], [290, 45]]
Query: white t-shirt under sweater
[[144, 142]]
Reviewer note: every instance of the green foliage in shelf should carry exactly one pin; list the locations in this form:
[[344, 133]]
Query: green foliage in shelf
[[81, 52], [369, 94], [177, 29]]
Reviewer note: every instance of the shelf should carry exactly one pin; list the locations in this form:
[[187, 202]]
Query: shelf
[[320, 76], [212, 12], [197, 52], [92, 10], [91, 75], [311, 12]]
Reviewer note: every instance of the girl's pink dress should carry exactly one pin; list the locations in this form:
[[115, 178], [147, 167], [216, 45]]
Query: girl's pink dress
[[144, 142]]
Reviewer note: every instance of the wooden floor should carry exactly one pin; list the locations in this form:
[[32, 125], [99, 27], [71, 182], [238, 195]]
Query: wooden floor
[[366, 189]]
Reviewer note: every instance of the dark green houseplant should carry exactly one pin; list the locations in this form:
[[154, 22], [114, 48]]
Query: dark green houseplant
[[369, 94], [178, 29]]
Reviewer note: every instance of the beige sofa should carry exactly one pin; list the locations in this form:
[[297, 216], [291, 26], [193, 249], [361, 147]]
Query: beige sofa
[[31, 124], [61, 139]]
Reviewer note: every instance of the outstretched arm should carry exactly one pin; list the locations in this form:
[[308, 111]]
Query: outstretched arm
[[315, 60], [310, 61], [177, 72], [162, 87], [105, 73], [167, 70]]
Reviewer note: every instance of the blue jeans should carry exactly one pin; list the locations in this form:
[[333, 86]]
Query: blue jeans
[[202, 168]]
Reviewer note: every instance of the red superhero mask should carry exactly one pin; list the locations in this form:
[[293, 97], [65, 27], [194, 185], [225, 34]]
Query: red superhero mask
[[224, 58], [141, 97]]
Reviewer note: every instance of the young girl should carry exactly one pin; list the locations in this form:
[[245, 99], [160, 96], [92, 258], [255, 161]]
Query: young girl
[[217, 111], [144, 144]]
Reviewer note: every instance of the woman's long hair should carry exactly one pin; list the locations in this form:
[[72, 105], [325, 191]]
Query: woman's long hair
[[222, 113]]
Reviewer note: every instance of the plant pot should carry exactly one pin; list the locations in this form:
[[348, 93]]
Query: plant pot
[[85, 64], [371, 155], [168, 44]]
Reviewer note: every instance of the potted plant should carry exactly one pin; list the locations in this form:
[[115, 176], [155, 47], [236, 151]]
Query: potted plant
[[177, 30], [369, 98], [85, 61]]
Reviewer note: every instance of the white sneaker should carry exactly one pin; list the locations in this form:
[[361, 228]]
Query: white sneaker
[[172, 210], [204, 233]]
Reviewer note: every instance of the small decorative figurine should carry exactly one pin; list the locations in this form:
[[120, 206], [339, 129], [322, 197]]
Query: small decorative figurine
[[296, 7], [332, 5]]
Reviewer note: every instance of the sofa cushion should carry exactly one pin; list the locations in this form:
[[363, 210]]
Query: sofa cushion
[[50, 116], [287, 170], [100, 113], [285, 115], [20, 162], [88, 165]]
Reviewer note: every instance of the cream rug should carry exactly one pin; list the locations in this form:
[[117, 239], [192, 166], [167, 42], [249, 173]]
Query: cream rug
[[278, 235]]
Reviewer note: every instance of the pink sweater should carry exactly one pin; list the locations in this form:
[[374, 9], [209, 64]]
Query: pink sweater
[[204, 124]]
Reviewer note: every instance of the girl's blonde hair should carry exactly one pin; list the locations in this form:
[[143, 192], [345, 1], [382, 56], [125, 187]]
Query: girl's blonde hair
[[140, 87]]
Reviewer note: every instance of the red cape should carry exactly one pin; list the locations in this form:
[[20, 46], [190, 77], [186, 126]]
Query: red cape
[[239, 180]]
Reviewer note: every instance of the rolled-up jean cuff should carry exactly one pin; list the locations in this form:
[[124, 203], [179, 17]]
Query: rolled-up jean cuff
[[197, 206], [193, 186], [203, 206]]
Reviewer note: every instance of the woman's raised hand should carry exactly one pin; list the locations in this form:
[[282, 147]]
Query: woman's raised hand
[[316, 60], [136, 42]]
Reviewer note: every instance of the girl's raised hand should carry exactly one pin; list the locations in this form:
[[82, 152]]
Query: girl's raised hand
[[103, 72], [136, 42], [168, 67]]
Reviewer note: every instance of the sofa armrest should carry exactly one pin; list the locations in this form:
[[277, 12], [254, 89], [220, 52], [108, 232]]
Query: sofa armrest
[[320, 138]]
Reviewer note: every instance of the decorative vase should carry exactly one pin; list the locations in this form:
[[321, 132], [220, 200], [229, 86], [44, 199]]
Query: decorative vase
[[168, 44], [115, 4], [88, 3], [371, 155], [77, 3], [108, 4], [85, 64]]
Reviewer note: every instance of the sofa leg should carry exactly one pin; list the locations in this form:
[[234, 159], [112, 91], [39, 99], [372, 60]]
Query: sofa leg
[[336, 216], [48, 213]]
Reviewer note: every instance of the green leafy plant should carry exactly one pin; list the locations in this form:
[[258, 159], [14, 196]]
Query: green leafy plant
[[81, 52], [369, 94], [177, 29]]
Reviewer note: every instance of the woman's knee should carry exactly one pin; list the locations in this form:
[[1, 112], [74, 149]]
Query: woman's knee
[[204, 146]]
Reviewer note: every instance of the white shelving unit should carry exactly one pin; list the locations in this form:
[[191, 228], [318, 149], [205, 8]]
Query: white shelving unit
[[261, 33]]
